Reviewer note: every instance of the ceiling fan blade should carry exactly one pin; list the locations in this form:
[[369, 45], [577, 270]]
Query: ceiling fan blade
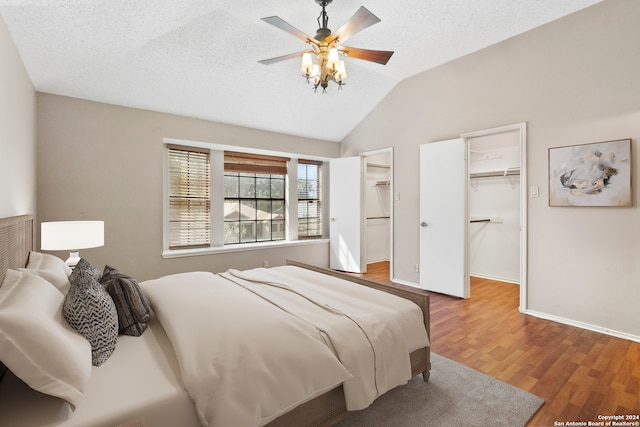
[[379, 56], [362, 19], [276, 21], [283, 57]]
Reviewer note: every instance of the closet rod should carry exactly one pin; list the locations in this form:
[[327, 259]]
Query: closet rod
[[495, 219], [508, 172], [378, 217], [378, 165]]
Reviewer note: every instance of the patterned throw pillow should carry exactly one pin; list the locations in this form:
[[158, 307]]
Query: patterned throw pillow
[[89, 309], [84, 266], [133, 308]]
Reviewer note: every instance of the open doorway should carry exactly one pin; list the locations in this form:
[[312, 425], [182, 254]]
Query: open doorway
[[497, 205], [378, 211], [361, 211], [445, 227]]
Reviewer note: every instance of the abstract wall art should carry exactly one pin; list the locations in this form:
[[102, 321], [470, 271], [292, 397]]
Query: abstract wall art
[[596, 174]]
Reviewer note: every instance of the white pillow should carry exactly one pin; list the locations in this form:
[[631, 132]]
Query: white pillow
[[51, 268], [36, 343]]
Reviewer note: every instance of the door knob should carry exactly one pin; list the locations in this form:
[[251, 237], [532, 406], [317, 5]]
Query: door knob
[[333, 220], [423, 224]]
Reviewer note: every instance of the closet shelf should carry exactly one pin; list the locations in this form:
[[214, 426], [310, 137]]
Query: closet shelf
[[505, 172], [379, 183]]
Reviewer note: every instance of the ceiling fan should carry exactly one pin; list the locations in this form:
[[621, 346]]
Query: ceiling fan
[[327, 45]]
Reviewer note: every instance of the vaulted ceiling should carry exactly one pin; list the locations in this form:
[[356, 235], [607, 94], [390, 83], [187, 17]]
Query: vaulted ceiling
[[199, 58]]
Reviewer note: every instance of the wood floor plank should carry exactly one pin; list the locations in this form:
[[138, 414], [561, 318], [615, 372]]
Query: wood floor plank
[[579, 373]]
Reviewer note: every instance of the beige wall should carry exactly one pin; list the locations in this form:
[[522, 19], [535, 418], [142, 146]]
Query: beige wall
[[105, 162], [17, 132], [574, 81]]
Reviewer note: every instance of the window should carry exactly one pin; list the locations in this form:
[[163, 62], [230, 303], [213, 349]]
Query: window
[[254, 198], [219, 200], [309, 205], [189, 197]]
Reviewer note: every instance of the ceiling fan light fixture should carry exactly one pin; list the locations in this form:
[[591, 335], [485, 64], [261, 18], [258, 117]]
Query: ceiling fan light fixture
[[327, 47]]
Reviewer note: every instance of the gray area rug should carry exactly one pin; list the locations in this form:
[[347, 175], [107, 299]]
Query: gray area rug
[[455, 395]]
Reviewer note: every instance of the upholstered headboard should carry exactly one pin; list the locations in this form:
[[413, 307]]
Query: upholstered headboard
[[16, 241]]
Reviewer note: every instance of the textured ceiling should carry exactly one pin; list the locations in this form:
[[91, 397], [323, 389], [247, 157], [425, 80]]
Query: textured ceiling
[[198, 58]]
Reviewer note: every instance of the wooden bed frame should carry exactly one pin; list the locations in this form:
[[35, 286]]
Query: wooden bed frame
[[16, 241]]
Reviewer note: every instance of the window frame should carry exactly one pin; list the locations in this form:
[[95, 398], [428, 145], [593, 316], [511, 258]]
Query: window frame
[[246, 200], [217, 202], [317, 200]]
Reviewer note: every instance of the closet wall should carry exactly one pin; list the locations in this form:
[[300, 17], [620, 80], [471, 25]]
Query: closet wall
[[494, 195], [377, 203]]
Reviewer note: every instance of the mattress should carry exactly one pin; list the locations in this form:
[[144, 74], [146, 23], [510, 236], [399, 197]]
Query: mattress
[[140, 379]]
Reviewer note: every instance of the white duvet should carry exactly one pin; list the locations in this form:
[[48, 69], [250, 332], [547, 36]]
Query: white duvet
[[254, 344]]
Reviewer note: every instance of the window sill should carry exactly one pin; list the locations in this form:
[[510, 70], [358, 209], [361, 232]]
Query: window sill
[[179, 253]]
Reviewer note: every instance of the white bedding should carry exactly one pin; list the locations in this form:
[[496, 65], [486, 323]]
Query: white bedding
[[243, 361], [258, 357], [366, 328], [141, 378]]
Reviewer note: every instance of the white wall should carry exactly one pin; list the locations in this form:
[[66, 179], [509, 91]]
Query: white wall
[[100, 161], [17, 132], [573, 81]]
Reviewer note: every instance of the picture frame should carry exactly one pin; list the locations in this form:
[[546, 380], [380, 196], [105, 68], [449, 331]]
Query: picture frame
[[593, 174]]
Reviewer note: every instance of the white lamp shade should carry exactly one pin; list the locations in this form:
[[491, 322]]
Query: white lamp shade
[[333, 59], [341, 72], [71, 235], [306, 60]]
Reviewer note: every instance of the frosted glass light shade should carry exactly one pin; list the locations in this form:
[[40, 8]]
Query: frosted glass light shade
[[306, 60], [71, 235], [308, 69], [333, 60], [341, 72]]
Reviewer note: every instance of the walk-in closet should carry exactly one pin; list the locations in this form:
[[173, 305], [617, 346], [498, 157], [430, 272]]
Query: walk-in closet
[[377, 207]]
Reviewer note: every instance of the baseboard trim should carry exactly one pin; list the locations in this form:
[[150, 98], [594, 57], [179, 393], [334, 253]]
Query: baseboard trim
[[558, 319], [497, 279], [583, 325]]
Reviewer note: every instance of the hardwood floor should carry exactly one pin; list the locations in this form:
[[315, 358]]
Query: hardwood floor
[[580, 374]]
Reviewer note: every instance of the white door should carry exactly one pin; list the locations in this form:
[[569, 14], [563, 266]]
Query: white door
[[345, 213], [444, 218]]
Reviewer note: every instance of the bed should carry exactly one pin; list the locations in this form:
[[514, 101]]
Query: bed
[[145, 380]]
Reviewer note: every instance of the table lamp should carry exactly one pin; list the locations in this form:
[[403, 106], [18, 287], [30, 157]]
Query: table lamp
[[71, 236]]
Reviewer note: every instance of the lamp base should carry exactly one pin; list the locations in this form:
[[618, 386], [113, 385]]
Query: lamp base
[[74, 258]]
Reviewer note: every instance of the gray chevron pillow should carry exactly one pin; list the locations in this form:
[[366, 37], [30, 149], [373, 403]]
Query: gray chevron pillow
[[84, 266], [89, 309], [133, 308]]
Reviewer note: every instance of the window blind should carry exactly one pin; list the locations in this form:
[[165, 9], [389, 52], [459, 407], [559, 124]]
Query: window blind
[[254, 163], [189, 197], [309, 198]]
